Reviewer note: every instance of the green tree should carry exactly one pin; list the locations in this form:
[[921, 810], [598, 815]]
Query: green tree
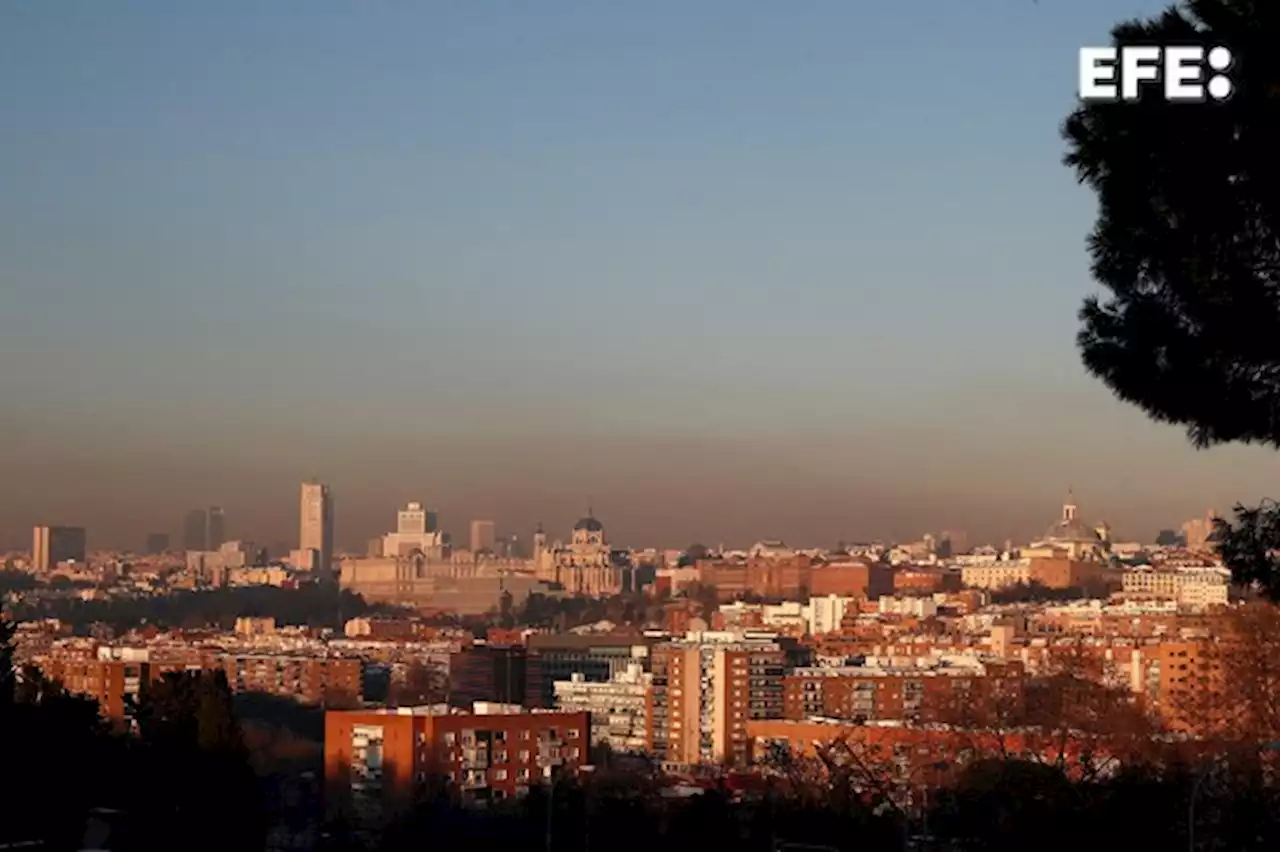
[[1187, 244]]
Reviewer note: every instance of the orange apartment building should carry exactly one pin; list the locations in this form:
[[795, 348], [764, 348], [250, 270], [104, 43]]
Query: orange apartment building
[[382, 757], [705, 693]]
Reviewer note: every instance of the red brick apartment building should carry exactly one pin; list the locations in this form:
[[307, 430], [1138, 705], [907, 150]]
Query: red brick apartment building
[[114, 684], [382, 756], [873, 694], [794, 577], [851, 579], [926, 580], [311, 680], [926, 755]]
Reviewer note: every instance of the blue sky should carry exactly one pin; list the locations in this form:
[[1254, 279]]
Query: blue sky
[[505, 257]]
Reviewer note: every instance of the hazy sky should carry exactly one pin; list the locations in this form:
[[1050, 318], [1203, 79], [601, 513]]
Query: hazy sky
[[726, 270]]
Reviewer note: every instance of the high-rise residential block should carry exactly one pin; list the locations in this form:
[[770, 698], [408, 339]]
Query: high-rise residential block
[[706, 690], [484, 536], [52, 545], [315, 531]]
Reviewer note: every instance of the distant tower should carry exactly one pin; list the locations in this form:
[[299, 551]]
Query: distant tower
[[195, 530], [216, 531], [484, 537], [539, 542], [315, 529], [52, 545], [157, 543]]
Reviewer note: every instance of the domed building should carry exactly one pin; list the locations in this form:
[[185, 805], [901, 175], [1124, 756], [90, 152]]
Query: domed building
[[588, 565], [1072, 538]]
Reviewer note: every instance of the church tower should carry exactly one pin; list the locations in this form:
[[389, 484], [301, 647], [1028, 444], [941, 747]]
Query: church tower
[[539, 544], [1069, 508]]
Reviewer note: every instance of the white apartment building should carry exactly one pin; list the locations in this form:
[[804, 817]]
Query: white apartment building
[[1193, 587], [619, 708], [915, 607], [996, 574], [825, 614]]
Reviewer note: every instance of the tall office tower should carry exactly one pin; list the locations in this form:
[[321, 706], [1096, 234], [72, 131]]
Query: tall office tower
[[315, 531], [483, 536], [51, 545], [411, 520], [216, 529], [433, 520], [195, 530], [157, 543], [1198, 532]]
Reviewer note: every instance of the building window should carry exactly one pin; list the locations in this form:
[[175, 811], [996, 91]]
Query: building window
[[499, 775], [500, 756], [450, 738], [573, 733], [522, 773], [524, 755], [524, 735]]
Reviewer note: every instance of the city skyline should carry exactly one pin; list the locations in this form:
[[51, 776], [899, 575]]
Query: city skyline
[[317, 503], [836, 312]]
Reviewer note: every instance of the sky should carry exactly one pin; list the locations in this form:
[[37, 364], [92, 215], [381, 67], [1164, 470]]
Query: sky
[[721, 271]]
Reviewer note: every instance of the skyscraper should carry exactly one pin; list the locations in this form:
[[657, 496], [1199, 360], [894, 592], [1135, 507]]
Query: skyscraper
[[483, 536], [216, 529], [315, 531], [157, 543], [51, 545], [195, 530]]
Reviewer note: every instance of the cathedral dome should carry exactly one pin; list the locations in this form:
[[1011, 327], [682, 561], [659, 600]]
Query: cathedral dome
[[589, 524], [1072, 530]]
